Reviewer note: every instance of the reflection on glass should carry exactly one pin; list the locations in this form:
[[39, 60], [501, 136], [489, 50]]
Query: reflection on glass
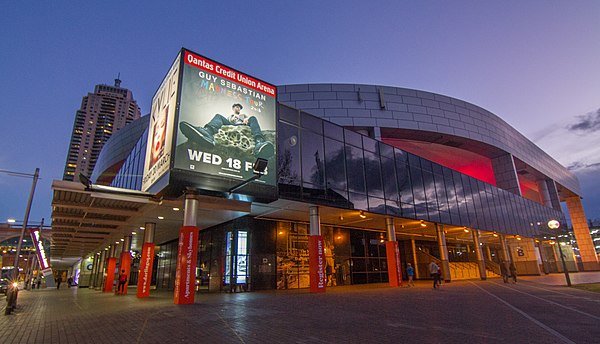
[[373, 174], [313, 168], [355, 164], [311, 122], [288, 159]]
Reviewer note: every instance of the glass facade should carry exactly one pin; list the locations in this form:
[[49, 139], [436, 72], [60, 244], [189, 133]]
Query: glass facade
[[322, 163], [130, 174]]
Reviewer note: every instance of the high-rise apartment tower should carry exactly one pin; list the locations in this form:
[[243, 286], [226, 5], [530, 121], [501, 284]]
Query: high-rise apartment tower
[[103, 112]]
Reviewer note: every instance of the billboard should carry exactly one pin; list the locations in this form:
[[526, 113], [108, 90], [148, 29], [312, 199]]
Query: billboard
[[226, 121], [160, 132]]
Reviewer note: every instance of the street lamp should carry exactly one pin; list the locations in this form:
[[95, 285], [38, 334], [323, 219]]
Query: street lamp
[[553, 224], [35, 177]]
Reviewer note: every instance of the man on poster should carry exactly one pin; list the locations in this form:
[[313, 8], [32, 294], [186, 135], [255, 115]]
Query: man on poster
[[205, 135]]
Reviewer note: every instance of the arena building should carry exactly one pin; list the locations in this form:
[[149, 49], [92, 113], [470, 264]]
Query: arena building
[[365, 180]]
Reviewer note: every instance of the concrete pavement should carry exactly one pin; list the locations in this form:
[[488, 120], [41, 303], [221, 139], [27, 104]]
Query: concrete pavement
[[469, 311]]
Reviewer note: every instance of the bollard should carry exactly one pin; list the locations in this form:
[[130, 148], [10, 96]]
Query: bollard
[[9, 301], [11, 298]]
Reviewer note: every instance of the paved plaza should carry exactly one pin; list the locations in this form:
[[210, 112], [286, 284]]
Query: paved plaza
[[534, 310]]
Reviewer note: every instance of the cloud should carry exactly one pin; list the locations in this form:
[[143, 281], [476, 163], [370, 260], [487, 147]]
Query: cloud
[[588, 123], [580, 166]]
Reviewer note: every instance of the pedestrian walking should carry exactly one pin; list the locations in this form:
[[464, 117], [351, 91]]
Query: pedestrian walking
[[513, 271], [58, 282], [433, 270], [504, 271], [122, 282], [410, 272]]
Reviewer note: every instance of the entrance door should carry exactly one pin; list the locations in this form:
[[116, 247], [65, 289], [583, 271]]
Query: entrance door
[[237, 261]]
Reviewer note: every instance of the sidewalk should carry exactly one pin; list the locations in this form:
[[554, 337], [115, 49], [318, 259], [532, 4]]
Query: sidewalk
[[456, 313], [558, 279]]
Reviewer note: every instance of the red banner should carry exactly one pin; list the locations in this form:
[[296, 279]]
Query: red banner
[[316, 262], [228, 73], [125, 265], [185, 276], [145, 273], [110, 274], [393, 262]]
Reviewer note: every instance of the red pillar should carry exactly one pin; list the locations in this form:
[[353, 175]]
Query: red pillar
[[126, 265], [110, 274], [393, 262], [185, 276], [145, 275]]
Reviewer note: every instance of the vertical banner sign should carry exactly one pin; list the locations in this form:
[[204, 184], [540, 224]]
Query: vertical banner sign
[[316, 262], [185, 276], [393, 262], [125, 265], [41, 252], [42, 257], [110, 274], [145, 274], [226, 121], [160, 132]]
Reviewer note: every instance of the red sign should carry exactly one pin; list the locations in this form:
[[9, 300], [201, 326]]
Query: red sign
[[185, 276], [393, 262], [228, 73], [145, 274], [316, 261]]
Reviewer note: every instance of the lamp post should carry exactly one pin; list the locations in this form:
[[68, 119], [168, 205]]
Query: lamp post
[[553, 224], [35, 177]]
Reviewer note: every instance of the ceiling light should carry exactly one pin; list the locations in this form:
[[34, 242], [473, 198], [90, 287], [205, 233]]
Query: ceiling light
[[362, 214], [122, 239], [117, 242], [161, 217], [11, 220], [466, 229], [423, 224], [133, 233], [142, 227], [176, 209], [495, 234]]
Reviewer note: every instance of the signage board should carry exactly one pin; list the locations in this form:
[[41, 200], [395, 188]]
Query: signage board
[[210, 124], [39, 248], [226, 121], [161, 129]]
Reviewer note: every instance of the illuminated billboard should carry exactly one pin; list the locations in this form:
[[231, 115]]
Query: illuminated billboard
[[226, 121], [160, 131]]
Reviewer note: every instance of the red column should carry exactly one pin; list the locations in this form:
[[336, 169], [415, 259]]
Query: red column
[[110, 274], [393, 262], [316, 263], [126, 265], [145, 274], [185, 276]]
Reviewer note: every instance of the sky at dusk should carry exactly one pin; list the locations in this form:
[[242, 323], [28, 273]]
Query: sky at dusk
[[533, 63]]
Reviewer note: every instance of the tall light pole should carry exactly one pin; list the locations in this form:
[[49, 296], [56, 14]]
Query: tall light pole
[[553, 224], [27, 210]]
